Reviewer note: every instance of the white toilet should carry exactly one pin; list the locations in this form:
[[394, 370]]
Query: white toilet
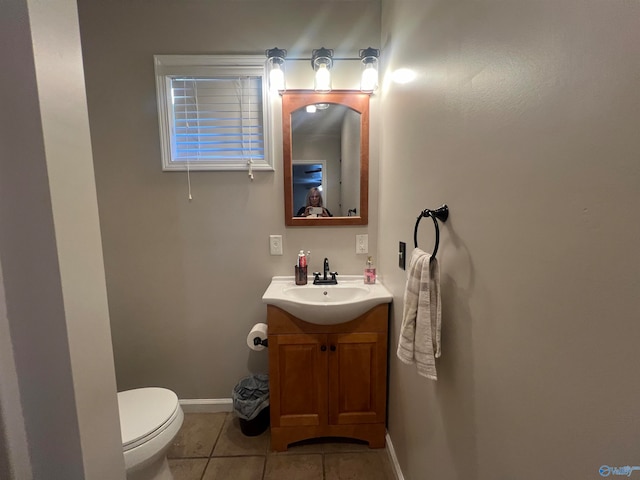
[[149, 421]]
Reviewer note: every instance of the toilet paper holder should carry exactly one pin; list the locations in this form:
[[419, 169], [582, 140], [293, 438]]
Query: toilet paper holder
[[259, 341]]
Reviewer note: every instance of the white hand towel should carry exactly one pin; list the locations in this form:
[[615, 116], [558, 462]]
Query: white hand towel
[[419, 341]]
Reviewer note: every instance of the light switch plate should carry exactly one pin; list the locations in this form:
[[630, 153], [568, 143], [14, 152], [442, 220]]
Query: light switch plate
[[362, 243], [402, 255], [275, 244]]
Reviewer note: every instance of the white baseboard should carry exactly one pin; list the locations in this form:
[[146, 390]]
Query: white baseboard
[[207, 405], [218, 405], [394, 460]]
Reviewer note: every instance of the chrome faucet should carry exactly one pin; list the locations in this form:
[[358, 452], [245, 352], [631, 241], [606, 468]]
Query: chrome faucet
[[325, 280]]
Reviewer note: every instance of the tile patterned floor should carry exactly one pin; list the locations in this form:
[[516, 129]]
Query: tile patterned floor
[[211, 446]]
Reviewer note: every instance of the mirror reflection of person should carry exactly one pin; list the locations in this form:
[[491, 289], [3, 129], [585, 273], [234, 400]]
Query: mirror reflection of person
[[314, 200]]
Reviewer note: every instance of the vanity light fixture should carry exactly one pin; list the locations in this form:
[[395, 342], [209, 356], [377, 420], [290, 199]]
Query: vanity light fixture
[[322, 62], [369, 81], [276, 69]]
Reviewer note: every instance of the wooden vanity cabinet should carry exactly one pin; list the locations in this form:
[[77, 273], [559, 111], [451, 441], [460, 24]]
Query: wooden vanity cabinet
[[327, 380]]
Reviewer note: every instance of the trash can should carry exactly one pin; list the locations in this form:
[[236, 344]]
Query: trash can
[[251, 404]]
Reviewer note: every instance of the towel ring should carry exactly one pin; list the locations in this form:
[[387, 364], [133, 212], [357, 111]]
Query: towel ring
[[441, 214]]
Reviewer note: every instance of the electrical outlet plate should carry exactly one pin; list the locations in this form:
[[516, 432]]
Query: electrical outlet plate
[[275, 244], [362, 243]]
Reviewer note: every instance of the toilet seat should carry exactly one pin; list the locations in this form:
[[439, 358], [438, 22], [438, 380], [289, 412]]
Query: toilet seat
[[145, 413]]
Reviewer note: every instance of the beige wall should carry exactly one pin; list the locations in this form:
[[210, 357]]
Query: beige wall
[[524, 120], [185, 279], [61, 414]]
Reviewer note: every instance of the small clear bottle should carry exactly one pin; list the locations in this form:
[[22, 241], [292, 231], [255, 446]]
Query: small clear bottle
[[370, 272]]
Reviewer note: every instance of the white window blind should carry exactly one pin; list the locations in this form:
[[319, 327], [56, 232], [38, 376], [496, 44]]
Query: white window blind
[[213, 115]]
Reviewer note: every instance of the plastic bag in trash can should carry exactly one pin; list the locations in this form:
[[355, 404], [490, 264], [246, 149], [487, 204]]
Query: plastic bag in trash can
[[251, 396]]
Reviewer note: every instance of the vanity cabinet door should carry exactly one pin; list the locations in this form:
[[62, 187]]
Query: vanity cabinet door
[[298, 379], [357, 378], [328, 380]]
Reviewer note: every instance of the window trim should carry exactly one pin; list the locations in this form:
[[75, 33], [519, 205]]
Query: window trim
[[166, 66]]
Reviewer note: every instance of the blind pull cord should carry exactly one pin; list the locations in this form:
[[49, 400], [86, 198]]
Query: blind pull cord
[[250, 161], [188, 174], [195, 95], [189, 181], [241, 91]]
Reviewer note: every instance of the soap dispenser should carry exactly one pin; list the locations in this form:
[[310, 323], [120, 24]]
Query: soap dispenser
[[369, 272], [301, 269]]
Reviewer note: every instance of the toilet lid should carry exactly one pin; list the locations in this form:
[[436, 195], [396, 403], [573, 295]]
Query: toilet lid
[[143, 411]]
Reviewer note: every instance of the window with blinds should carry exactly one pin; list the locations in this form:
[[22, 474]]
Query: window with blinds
[[213, 112]]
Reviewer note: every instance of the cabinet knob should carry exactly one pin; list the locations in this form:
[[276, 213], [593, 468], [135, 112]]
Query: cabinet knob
[[332, 348], [323, 348]]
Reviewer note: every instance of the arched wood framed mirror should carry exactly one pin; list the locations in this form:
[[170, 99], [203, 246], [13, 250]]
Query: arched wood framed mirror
[[328, 150]]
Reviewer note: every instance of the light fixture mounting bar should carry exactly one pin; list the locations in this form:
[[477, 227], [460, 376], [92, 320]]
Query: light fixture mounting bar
[[306, 59]]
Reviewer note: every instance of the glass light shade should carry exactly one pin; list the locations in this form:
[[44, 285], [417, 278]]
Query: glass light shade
[[322, 79], [322, 61], [276, 76], [276, 69], [369, 80]]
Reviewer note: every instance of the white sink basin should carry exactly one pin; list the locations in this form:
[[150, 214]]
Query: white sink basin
[[326, 304]]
